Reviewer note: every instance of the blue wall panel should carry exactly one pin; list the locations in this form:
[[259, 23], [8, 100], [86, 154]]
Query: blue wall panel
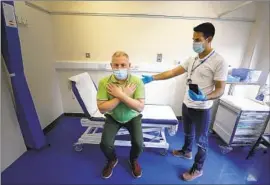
[[25, 109]]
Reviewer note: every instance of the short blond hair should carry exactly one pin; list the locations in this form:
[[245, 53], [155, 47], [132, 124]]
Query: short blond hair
[[120, 54]]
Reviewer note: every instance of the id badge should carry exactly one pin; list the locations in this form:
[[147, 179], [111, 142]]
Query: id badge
[[189, 81]]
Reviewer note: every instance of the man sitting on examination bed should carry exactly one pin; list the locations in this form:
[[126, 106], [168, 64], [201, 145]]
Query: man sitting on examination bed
[[120, 97]]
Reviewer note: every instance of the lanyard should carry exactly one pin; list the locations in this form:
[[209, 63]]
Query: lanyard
[[193, 69]]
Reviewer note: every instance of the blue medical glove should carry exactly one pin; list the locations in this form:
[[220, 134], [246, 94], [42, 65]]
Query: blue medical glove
[[197, 97], [147, 79]]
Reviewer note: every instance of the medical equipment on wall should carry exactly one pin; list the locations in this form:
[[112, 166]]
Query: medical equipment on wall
[[156, 118], [240, 121], [246, 75], [231, 78]]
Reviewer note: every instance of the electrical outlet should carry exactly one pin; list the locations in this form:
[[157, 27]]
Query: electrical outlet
[[87, 55], [177, 62], [159, 57]]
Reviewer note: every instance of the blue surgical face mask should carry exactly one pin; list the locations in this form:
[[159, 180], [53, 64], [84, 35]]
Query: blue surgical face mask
[[198, 47], [120, 74]]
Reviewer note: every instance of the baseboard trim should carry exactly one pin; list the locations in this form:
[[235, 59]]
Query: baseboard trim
[[75, 115], [49, 127]]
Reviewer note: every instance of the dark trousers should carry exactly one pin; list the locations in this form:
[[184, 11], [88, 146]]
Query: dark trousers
[[196, 124], [111, 128]]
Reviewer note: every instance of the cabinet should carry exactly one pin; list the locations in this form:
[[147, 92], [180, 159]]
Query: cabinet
[[240, 121], [238, 89]]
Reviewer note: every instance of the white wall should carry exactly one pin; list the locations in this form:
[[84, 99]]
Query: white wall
[[261, 58], [46, 5], [12, 143], [38, 59], [259, 37], [169, 92], [199, 8], [154, 95], [143, 38], [257, 51]]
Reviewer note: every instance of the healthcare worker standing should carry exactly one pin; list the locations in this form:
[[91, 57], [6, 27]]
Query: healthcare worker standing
[[209, 71]]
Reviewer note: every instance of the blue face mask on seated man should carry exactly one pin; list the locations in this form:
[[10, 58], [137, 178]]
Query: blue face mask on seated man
[[198, 47], [120, 74]]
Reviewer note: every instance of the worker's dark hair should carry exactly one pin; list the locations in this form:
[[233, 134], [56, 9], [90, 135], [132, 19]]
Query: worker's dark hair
[[206, 28]]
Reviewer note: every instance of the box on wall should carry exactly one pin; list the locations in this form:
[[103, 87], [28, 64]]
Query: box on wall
[[246, 75]]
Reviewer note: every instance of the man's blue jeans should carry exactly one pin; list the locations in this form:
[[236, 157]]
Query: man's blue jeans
[[196, 124]]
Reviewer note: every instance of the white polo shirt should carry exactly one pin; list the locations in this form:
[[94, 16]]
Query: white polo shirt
[[214, 68]]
